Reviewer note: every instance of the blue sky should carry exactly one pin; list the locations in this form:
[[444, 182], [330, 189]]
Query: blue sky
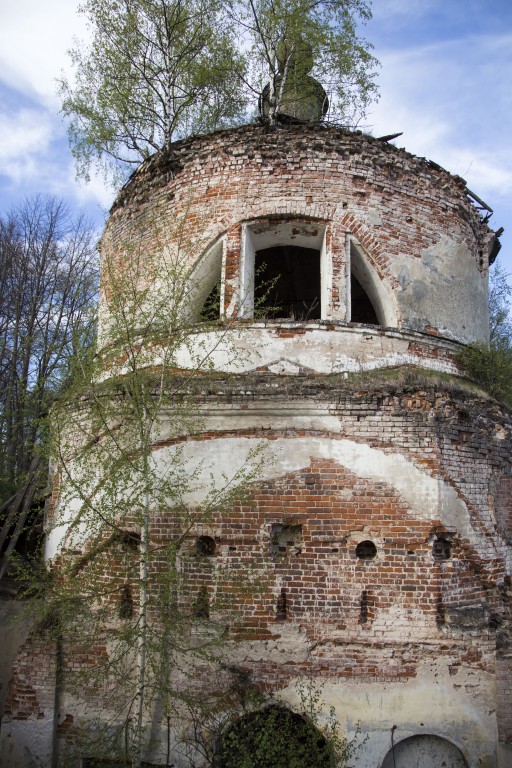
[[445, 82]]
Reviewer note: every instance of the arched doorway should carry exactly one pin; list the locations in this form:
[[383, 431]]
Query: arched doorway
[[273, 738], [424, 751]]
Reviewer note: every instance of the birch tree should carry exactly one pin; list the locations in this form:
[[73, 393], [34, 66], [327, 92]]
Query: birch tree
[[153, 72], [292, 41], [156, 71], [126, 535]]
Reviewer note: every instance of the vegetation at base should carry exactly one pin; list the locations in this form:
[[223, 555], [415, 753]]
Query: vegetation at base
[[490, 366], [255, 730]]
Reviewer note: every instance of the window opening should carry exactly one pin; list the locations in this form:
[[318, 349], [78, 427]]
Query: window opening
[[130, 540], [366, 550], [271, 738], [361, 307], [126, 603], [203, 300], [210, 311], [281, 606], [287, 282], [205, 546], [368, 300], [366, 607], [285, 540], [442, 547], [283, 269]]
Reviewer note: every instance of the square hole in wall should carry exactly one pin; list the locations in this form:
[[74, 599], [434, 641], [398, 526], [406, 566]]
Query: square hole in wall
[[285, 539]]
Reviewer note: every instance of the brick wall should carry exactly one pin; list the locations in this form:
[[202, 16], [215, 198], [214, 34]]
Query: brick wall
[[399, 207]]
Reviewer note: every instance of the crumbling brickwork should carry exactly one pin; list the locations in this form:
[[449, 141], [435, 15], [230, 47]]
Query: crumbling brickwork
[[403, 210], [372, 551]]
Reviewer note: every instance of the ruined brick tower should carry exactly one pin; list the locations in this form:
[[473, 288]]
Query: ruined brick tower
[[385, 515]]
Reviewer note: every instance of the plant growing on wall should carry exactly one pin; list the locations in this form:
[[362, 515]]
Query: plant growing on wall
[[158, 70], [491, 365], [153, 71], [293, 41], [253, 730], [133, 597]]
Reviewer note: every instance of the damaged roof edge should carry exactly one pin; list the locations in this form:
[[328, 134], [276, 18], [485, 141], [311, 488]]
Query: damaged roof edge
[[159, 159]]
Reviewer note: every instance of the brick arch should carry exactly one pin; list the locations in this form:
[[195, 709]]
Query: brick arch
[[374, 251], [229, 233]]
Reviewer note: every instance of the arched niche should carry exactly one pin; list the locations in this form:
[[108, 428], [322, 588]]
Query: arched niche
[[273, 737], [369, 301], [203, 299], [424, 751]]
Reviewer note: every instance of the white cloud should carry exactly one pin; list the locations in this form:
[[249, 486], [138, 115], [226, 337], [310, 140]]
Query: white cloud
[[34, 38], [448, 106], [34, 158], [26, 136], [391, 9]]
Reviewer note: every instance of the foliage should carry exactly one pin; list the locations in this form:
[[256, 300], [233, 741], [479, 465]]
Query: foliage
[[273, 736], [126, 598], [500, 323], [155, 70], [159, 70], [290, 38], [48, 290], [491, 365]]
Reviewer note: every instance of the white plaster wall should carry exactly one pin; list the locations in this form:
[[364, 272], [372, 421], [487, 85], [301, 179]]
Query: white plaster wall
[[214, 462], [460, 709], [27, 743], [439, 288], [312, 348]]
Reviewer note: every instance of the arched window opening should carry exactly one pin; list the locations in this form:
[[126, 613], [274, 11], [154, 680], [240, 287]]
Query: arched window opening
[[283, 270], [287, 283], [273, 738], [210, 311], [203, 301], [361, 307], [369, 300], [205, 546], [442, 546], [366, 550]]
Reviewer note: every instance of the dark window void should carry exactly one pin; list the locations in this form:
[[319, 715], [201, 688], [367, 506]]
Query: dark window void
[[285, 539], [287, 283], [361, 308], [205, 546], [282, 606], [442, 547], [366, 550], [126, 603]]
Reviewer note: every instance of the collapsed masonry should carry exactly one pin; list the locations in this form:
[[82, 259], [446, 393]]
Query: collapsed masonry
[[383, 523]]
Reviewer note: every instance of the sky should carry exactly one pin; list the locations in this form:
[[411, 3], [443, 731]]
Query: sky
[[445, 82]]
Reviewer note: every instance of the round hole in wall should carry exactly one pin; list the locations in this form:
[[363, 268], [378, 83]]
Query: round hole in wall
[[205, 546], [366, 550]]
